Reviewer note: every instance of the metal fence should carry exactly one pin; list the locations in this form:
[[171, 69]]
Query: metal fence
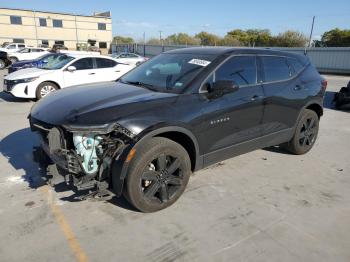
[[326, 59]]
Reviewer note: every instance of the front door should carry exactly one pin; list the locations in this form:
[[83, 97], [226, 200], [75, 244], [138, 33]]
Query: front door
[[84, 73], [236, 117]]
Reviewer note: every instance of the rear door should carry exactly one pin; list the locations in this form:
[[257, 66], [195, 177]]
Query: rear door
[[235, 117], [84, 73], [109, 69], [283, 94]]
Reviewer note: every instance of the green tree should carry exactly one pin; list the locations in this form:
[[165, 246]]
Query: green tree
[[252, 37], [182, 39], [229, 40], [208, 38], [290, 39], [122, 40], [336, 37]]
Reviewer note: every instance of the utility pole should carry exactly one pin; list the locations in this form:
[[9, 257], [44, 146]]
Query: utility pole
[[160, 36], [312, 29], [144, 38]]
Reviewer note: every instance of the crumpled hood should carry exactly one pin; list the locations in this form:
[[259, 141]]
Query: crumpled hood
[[27, 73], [97, 104]]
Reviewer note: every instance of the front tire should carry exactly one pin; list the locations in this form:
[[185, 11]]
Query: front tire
[[158, 174], [44, 89], [305, 133]]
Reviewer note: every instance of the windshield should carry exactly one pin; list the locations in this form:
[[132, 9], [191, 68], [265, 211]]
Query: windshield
[[168, 72], [57, 62]]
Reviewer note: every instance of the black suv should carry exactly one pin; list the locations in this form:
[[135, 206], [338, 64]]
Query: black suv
[[179, 112]]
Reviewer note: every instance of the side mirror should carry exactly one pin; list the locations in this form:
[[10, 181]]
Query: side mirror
[[222, 87], [71, 68]]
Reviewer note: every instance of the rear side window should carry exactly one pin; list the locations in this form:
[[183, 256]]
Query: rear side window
[[239, 69], [295, 65], [275, 68], [105, 63], [83, 64]]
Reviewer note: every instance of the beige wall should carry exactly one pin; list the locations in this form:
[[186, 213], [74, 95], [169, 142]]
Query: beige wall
[[75, 28]]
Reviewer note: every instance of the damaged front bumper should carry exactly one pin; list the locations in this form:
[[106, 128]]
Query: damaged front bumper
[[85, 157]]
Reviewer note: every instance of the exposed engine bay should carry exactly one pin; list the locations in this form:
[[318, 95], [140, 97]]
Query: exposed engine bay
[[83, 158]]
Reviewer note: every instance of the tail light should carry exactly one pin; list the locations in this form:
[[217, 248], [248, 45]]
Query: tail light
[[324, 84]]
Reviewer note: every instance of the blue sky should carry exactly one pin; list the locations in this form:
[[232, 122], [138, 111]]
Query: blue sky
[[133, 17]]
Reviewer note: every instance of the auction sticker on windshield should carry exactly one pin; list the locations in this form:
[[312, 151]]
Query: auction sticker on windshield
[[199, 62]]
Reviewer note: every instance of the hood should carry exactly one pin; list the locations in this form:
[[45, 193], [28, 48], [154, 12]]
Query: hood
[[98, 104], [27, 73], [23, 62]]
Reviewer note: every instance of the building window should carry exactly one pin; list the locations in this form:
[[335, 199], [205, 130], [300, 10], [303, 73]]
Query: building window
[[57, 23], [18, 40], [45, 42], [101, 26], [102, 44], [59, 42], [42, 22], [16, 20]]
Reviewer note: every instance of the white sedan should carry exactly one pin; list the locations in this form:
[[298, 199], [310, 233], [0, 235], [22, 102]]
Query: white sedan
[[29, 53], [64, 71], [129, 58]]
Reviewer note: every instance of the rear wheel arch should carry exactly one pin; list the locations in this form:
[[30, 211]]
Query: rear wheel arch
[[317, 108]]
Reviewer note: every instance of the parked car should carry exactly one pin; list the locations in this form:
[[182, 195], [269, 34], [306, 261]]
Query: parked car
[[12, 47], [61, 72], [39, 62], [28, 53], [4, 61], [94, 49], [129, 58], [57, 47], [177, 113], [341, 99]]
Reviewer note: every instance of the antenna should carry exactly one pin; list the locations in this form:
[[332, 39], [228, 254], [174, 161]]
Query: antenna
[[310, 38]]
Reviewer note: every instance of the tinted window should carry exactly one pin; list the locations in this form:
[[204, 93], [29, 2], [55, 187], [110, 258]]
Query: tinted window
[[59, 42], [57, 23], [105, 63], [295, 65], [16, 20], [42, 22], [45, 42], [168, 72], [275, 68], [21, 46], [102, 45], [240, 69], [83, 64], [101, 26], [18, 40]]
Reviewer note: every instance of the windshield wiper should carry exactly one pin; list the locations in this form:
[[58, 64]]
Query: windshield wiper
[[139, 83]]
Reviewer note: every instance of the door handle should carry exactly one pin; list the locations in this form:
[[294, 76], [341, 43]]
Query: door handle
[[255, 97], [92, 73], [298, 87]]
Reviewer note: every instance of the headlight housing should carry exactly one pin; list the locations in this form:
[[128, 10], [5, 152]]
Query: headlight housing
[[25, 80]]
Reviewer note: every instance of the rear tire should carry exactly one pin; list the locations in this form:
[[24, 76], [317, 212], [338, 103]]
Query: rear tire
[[44, 89], [157, 175], [305, 133]]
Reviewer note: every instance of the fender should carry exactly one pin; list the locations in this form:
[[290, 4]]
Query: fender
[[120, 166], [316, 100]]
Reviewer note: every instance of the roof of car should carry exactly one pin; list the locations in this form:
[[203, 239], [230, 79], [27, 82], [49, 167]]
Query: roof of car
[[232, 50], [86, 55]]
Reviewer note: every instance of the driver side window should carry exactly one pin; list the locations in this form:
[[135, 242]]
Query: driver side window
[[239, 69]]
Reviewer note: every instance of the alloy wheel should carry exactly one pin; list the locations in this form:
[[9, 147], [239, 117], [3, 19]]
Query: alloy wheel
[[45, 90], [308, 132], [161, 179]]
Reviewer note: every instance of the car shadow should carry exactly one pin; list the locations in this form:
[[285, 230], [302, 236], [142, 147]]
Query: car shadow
[[21, 148], [277, 149], [10, 98]]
